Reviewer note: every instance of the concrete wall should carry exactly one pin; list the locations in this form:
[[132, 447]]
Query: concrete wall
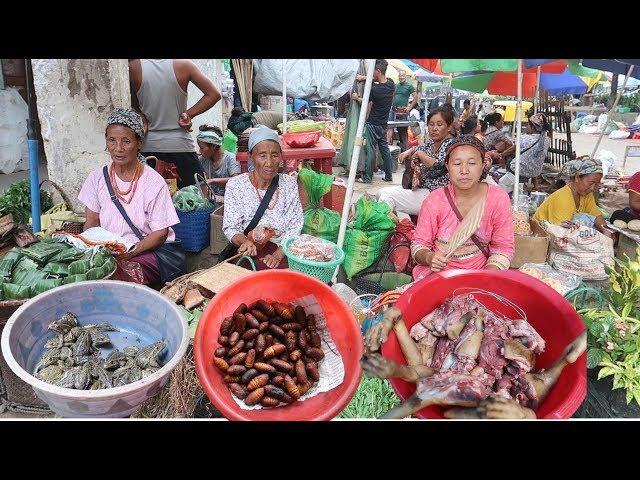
[[14, 113], [74, 100], [212, 69]]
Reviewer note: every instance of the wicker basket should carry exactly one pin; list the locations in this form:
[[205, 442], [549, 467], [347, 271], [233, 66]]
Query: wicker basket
[[323, 271]]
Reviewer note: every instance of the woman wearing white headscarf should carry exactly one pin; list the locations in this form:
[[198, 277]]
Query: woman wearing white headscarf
[[218, 165], [282, 216]]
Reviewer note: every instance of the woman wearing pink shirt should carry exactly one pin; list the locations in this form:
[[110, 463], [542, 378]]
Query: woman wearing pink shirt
[[492, 244], [140, 190]]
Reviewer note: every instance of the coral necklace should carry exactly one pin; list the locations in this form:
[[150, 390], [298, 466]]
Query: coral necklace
[[276, 194], [132, 186]]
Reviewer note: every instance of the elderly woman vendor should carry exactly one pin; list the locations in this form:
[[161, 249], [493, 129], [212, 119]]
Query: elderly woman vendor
[[244, 193], [576, 197], [140, 190], [468, 209]]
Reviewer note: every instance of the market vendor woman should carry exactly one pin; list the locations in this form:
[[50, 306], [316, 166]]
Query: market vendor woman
[[140, 190], [576, 197], [485, 210], [258, 235]]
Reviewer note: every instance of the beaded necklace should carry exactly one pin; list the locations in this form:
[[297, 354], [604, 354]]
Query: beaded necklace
[[132, 186]]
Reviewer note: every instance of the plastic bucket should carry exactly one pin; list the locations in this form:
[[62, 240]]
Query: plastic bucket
[[553, 317], [283, 286], [140, 313]]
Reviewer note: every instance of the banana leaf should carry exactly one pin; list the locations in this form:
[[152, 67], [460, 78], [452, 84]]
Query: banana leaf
[[42, 252], [28, 277], [46, 284], [8, 261], [79, 266], [96, 273], [109, 265], [57, 268], [74, 278], [68, 255], [25, 263], [98, 259], [16, 292]]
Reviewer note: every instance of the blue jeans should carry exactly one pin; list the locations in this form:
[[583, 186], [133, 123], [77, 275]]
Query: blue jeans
[[377, 137]]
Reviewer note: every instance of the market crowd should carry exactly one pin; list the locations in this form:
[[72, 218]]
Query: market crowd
[[451, 180]]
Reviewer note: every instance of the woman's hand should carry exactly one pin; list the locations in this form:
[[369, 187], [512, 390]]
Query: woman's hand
[[438, 262], [248, 248], [272, 260]]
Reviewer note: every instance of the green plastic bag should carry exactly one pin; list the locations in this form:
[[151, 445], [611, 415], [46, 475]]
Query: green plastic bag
[[319, 221], [366, 237], [190, 199], [229, 142]]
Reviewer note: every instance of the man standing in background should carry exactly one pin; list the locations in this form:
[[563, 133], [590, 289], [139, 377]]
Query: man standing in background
[[401, 108], [380, 100], [160, 88]]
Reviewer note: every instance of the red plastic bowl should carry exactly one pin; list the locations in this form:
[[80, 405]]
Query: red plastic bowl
[[301, 139], [547, 311], [283, 286]]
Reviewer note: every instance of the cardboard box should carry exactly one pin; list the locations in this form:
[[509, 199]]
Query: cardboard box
[[531, 249], [217, 239]]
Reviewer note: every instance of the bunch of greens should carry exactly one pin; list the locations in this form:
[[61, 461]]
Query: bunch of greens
[[17, 201], [614, 333], [374, 398]]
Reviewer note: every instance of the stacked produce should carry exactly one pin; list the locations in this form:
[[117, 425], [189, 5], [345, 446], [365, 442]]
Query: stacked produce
[[27, 272], [299, 126], [269, 353], [17, 201]]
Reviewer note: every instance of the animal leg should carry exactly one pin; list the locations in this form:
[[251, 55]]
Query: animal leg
[[377, 334], [377, 366]]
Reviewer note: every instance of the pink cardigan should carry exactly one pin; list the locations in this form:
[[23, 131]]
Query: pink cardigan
[[437, 222]]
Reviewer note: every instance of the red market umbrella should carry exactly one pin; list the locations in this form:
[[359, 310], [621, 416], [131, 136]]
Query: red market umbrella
[[497, 83]]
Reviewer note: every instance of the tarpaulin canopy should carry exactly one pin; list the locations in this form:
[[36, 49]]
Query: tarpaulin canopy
[[322, 80], [564, 83], [497, 83], [613, 66]]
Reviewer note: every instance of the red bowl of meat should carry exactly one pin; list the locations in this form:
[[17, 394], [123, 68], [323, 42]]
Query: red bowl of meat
[[283, 286], [301, 139], [550, 314]]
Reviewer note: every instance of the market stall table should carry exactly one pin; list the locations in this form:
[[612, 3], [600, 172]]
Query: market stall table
[[322, 154]]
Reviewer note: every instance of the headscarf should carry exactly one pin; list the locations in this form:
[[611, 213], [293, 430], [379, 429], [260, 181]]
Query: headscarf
[[129, 118], [209, 136], [261, 134], [538, 121], [466, 139], [580, 166]]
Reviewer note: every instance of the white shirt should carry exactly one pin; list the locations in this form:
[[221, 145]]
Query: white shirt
[[241, 201]]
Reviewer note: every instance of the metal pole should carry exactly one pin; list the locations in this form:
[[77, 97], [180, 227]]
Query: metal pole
[[284, 97], [536, 99], [516, 185], [32, 141], [613, 107], [357, 145]]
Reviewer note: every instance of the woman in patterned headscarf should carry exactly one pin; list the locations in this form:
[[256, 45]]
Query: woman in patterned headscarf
[[576, 197], [141, 190]]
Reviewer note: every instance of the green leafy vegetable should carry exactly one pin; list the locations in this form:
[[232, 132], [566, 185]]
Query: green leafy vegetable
[[17, 201]]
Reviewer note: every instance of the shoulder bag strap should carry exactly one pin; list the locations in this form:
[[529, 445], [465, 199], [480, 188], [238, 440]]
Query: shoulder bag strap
[[119, 206], [263, 204], [475, 239]]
